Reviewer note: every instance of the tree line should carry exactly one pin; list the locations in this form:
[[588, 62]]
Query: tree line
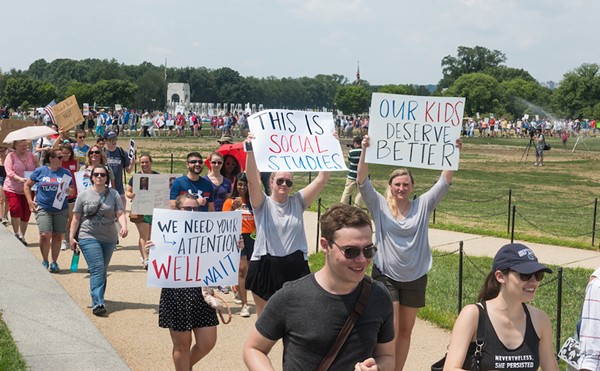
[[476, 73]]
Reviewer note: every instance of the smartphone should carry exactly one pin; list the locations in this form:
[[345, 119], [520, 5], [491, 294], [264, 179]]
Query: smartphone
[[247, 146]]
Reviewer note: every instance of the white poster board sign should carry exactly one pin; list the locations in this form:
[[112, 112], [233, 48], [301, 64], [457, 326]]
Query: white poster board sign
[[180, 109], [61, 193], [193, 249], [131, 149], [82, 180], [295, 141], [415, 131], [151, 191]]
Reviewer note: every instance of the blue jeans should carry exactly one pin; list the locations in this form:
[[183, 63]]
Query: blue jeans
[[97, 254]]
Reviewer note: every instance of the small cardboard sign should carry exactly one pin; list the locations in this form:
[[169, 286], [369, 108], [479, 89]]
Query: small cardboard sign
[[67, 113]]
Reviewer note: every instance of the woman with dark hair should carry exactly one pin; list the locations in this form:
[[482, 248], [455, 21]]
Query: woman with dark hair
[[95, 212], [51, 220], [401, 235], [183, 311], [221, 184], [70, 163], [517, 335], [240, 200], [231, 168]]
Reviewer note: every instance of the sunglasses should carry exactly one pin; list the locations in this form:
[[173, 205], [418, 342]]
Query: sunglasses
[[80, 137], [216, 162], [99, 175], [194, 162], [287, 182], [190, 208], [351, 252], [230, 164], [539, 276], [94, 152]]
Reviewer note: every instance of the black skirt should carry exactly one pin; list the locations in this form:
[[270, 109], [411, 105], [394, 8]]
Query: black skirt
[[267, 275]]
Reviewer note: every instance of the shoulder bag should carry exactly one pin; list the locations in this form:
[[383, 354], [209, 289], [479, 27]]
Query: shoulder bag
[[473, 359], [361, 303], [102, 199]]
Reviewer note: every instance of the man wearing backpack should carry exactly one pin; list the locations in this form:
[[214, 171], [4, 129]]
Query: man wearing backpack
[[117, 160]]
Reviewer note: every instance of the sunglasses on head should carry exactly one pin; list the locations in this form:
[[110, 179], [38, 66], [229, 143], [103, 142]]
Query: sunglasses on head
[[194, 162], [287, 182], [94, 152], [539, 276], [351, 252], [216, 162], [99, 175], [190, 208]]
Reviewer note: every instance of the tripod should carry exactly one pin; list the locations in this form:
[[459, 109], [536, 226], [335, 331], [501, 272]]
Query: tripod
[[579, 139], [526, 151]]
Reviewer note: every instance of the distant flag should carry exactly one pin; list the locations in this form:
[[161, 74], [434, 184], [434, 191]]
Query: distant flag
[[358, 72], [48, 110]]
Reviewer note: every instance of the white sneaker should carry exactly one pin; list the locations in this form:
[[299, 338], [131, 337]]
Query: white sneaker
[[63, 245], [245, 312]]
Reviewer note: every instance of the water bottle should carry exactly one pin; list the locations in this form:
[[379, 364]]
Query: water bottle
[[75, 260]]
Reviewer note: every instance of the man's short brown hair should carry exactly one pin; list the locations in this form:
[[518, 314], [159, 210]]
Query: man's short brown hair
[[342, 216]]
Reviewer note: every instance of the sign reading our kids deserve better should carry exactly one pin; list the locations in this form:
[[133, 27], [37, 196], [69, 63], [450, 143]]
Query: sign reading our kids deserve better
[[414, 131], [295, 141], [193, 249]]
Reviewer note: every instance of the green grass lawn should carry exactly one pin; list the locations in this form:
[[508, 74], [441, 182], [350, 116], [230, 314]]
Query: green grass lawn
[[10, 358], [554, 204]]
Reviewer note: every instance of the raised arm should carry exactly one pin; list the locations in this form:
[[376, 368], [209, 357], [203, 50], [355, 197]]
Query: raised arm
[[363, 169], [449, 174], [311, 192], [254, 184]]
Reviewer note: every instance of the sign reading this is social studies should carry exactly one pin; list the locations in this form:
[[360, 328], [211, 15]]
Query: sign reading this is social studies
[[295, 141], [415, 131], [193, 249]]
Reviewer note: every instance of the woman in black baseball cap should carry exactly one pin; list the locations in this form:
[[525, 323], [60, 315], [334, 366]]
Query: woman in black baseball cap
[[516, 335]]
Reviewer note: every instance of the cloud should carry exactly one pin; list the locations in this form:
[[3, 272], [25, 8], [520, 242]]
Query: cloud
[[330, 10]]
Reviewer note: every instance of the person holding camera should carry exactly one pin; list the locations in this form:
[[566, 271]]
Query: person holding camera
[[539, 147]]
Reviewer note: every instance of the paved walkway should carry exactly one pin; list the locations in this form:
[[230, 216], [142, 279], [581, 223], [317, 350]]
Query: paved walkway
[[51, 321]]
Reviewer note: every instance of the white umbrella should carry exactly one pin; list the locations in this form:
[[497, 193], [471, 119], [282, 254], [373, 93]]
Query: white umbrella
[[29, 133]]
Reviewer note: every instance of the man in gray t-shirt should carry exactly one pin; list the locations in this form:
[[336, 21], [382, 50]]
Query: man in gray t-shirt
[[309, 313]]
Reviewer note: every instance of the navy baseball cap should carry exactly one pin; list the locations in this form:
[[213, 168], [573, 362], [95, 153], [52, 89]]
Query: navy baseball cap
[[110, 135], [519, 258]]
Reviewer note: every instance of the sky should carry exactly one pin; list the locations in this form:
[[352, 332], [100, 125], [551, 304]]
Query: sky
[[393, 41]]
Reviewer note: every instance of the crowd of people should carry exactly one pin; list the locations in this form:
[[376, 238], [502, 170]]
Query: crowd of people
[[491, 127], [306, 310]]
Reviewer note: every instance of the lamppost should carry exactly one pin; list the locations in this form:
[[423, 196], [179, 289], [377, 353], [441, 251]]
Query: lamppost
[[153, 104]]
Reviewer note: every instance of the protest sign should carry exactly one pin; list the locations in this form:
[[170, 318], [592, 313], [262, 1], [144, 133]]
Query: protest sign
[[295, 141], [10, 125], [193, 249], [86, 109], [61, 193], [151, 191], [67, 113], [415, 131], [131, 149], [82, 180]]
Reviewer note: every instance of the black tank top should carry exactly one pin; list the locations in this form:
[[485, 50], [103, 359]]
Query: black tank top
[[498, 357]]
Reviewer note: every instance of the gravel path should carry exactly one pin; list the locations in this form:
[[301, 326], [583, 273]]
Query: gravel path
[[132, 322]]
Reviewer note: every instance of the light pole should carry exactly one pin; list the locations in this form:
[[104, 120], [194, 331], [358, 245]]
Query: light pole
[[153, 104]]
